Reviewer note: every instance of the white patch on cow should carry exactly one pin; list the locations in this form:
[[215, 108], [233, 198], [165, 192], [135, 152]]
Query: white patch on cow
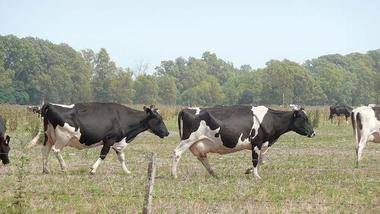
[[120, 146], [256, 149], [62, 105], [266, 144], [258, 115], [197, 109], [204, 141], [95, 166]]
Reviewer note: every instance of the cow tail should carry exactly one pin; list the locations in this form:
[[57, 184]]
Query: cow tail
[[359, 126], [36, 138], [353, 123], [180, 114]]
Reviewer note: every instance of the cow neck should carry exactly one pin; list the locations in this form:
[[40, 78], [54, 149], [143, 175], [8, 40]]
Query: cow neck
[[282, 122], [139, 126]]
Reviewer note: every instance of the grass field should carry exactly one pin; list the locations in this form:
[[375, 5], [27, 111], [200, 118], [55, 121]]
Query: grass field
[[302, 174]]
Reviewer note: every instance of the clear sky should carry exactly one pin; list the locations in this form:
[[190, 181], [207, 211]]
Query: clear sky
[[242, 32]]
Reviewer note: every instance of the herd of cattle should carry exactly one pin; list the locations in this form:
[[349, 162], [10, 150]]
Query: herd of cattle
[[219, 129]]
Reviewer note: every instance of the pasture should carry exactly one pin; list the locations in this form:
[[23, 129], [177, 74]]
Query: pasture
[[301, 174]]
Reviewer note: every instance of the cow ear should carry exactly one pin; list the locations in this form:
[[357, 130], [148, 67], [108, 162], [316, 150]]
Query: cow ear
[[7, 139], [147, 110]]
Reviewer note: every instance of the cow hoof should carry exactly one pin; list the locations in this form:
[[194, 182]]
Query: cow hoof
[[92, 172], [127, 172], [257, 178], [45, 171], [249, 171], [214, 176]]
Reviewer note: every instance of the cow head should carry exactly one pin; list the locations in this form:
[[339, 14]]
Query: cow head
[[4, 149], [155, 122], [300, 123]]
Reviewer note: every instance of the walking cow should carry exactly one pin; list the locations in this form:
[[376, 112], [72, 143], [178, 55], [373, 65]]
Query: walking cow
[[86, 125], [366, 127], [339, 110], [227, 129]]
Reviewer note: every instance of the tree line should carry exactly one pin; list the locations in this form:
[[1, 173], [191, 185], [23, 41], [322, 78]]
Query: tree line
[[33, 70]]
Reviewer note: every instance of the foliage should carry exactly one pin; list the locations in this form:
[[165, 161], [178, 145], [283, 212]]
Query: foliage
[[33, 70]]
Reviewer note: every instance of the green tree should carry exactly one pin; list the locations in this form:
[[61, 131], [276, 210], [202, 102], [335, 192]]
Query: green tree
[[167, 90], [146, 90]]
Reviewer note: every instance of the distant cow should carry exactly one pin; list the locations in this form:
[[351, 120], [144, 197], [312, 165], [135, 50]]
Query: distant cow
[[87, 125], [4, 143], [366, 126], [230, 129], [339, 110], [34, 109]]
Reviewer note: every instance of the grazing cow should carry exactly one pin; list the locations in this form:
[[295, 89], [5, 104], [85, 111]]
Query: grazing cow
[[230, 129], [34, 109], [4, 143], [339, 110], [366, 127], [86, 125]]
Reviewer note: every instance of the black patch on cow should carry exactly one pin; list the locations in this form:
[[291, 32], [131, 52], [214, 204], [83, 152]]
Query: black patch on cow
[[377, 112]]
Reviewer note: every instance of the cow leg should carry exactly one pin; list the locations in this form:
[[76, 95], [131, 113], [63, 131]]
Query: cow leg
[[121, 157], [360, 147], [204, 161], [181, 148], [255, 162], [103, 154], [264, 149], [45, 154], [263, 156], [57, 148]]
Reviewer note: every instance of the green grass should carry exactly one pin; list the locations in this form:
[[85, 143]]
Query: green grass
[[301, 175]]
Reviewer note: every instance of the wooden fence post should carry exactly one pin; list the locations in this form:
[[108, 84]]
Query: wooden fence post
[[149, 185]]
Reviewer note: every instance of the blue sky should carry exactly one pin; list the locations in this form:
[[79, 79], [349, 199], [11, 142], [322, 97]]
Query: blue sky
[[242, 32]]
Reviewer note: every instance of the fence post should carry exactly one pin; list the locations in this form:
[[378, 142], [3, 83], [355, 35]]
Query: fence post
[[149, 185]]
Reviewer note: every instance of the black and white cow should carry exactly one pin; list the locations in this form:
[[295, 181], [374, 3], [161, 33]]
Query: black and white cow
[[366, 126], [340, 110], [4, 143], [86, 125], [230, 129]]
